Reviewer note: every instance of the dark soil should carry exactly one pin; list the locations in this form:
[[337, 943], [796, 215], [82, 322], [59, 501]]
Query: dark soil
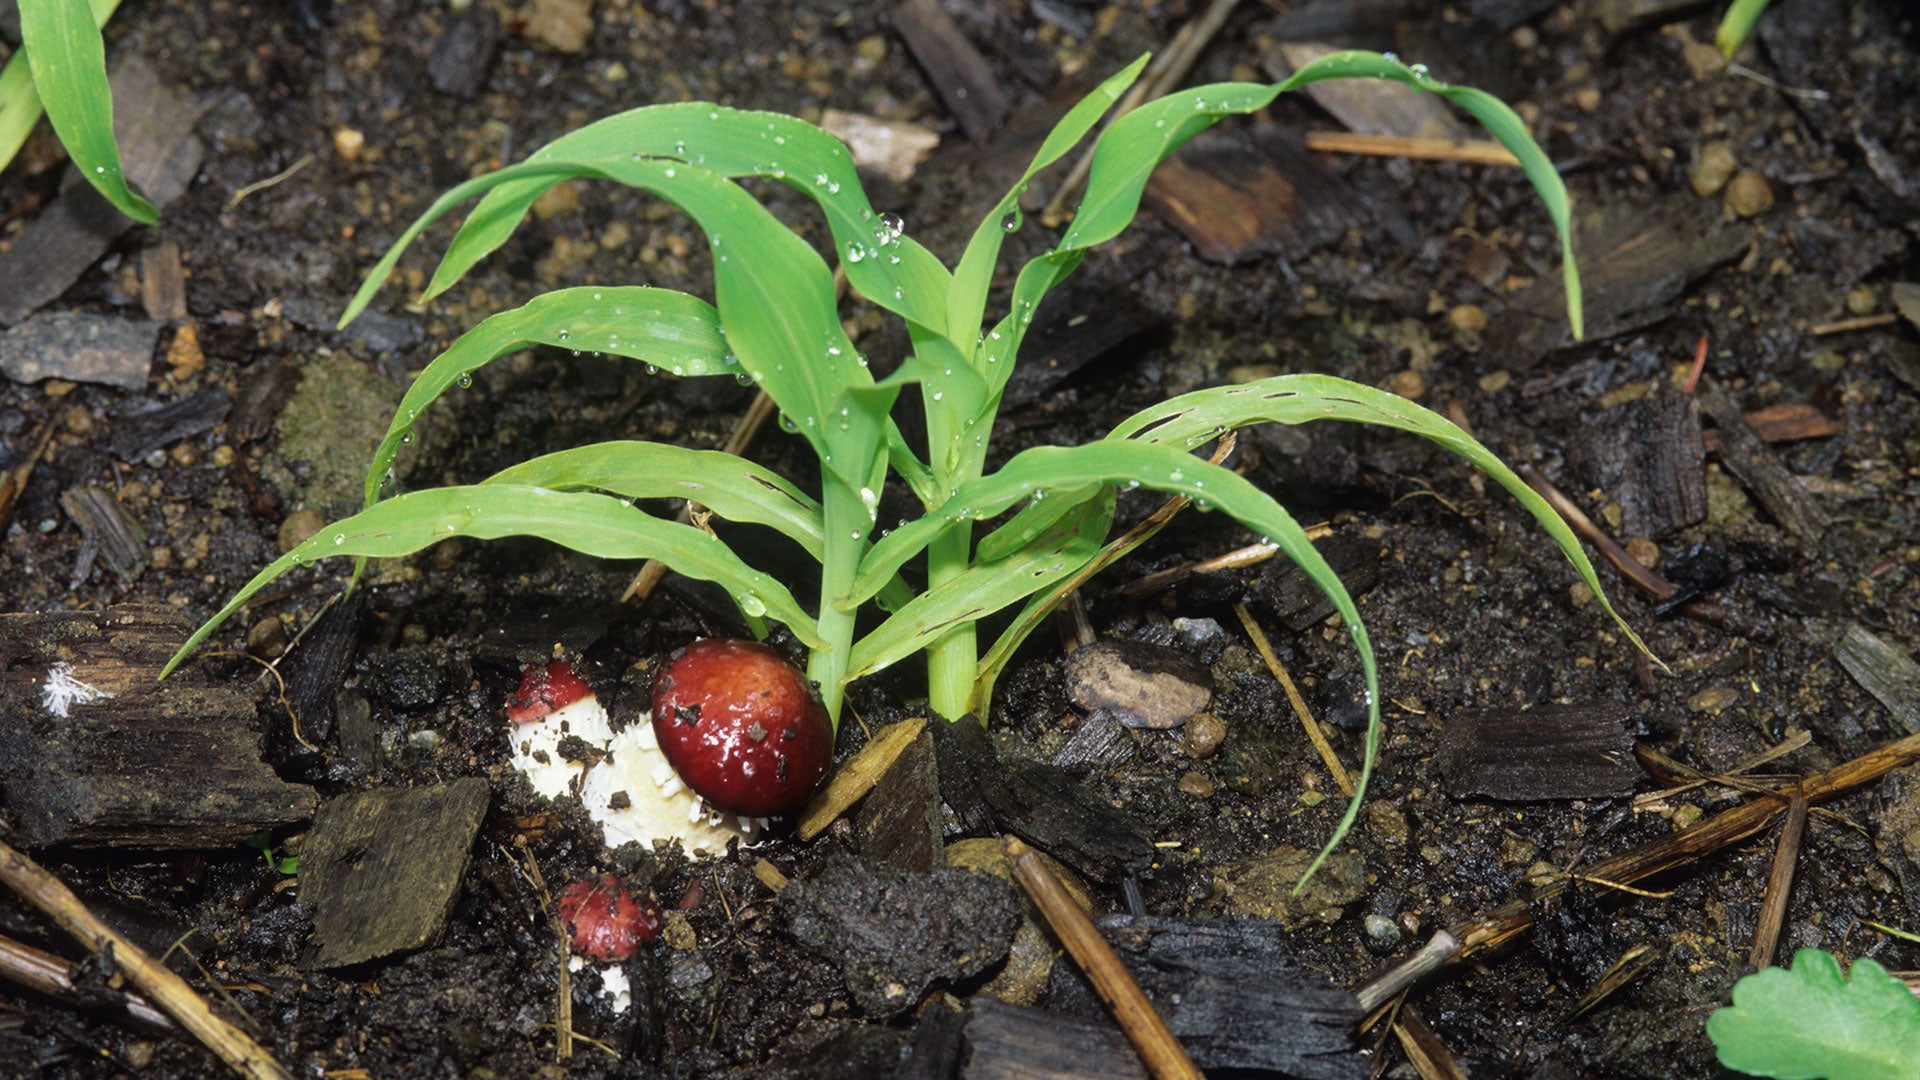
[[1473, 609]]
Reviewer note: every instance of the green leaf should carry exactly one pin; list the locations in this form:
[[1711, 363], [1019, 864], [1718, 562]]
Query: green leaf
[[61, 39], [971, 280], [1814, 1023], [1192, 419], [985, 587], [587, 522], [732, 487], [669, 330], [890, 269], [1738, 23]]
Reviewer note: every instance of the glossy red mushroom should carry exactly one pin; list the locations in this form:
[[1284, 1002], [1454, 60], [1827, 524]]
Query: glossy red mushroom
[[543, 689], [604, 920], [743, 729]]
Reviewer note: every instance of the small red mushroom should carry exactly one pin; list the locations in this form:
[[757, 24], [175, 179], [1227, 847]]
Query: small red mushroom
[[604, 920], [743, 729], [544, 688]]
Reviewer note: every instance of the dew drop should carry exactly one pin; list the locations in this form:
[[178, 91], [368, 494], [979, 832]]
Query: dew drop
[[466, 382], [752, 606], [339, 538]]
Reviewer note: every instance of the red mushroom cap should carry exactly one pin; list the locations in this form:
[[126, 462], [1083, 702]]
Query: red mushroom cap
[[742, 727], [605, 921], [544, 688]]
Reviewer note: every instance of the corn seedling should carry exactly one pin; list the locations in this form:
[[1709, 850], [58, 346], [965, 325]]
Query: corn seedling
[[774, 322]]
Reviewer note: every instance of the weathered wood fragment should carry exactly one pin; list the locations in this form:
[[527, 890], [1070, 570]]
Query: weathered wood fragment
[[80, 348], [962, 78], [1635, 264], [1073, 328], [1232, 994], [109, 530], [135, 435], [1647, 456], [895, 934], [382, 868], [1100, 742], [899, 824], [96, 752], [154, 127], [1241, 193], [316, 669], [1759, 470], [1012, 1042], [1883, 670], [163, 282], [937, 1047], [1042, 804], [1285, 593], [463, 56], [1551, 752]]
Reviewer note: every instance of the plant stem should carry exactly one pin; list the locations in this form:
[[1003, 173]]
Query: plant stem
[[953, 661], [847, 522]]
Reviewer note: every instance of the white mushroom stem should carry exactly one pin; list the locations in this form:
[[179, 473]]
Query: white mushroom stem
[[630, 789]]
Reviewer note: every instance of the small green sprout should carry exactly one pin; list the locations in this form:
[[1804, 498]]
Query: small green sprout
[[774, 321]]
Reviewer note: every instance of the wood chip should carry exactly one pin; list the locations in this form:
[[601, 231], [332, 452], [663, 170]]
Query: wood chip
[[899, 823], [853, 780], [1760, 471], [1884, 670], [892, 148], [163, 282], [382, 868], [1551, 752], [1647, 455], [96, 752], [80, 348], [1635, 265], [108, 528], [1241, 193], [962, 78], [1371, 106]]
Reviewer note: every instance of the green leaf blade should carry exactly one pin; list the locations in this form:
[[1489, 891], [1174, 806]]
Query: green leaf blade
[[1201, 416], [587, 522], [1816, 1023], [69, 62], [679, 334], [733, 488]]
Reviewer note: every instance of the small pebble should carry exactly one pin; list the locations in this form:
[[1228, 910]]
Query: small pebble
[[1644, 551], [1410, 384], [267, 639], [1749, 195], [1861, 301], [1580, 594], [1587, 98], [1713, 166], [1202, 735], [349, 144], [1196, 784], [1467, 318], [1381, 930], [296, 527], [78, 420], [1713, 699]]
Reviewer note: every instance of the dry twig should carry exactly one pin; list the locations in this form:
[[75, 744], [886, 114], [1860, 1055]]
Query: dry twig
[[1159, 1051], [160, 985]]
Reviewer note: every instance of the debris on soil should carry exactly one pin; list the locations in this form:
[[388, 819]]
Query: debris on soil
[[899, 823], [962, 77], [1883, 670], [894, 933], [1232, 993], [1550, 752], [96, 752], [80, 348], [153, 124], [1142, 684], [1264, 887], [383, 867]]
